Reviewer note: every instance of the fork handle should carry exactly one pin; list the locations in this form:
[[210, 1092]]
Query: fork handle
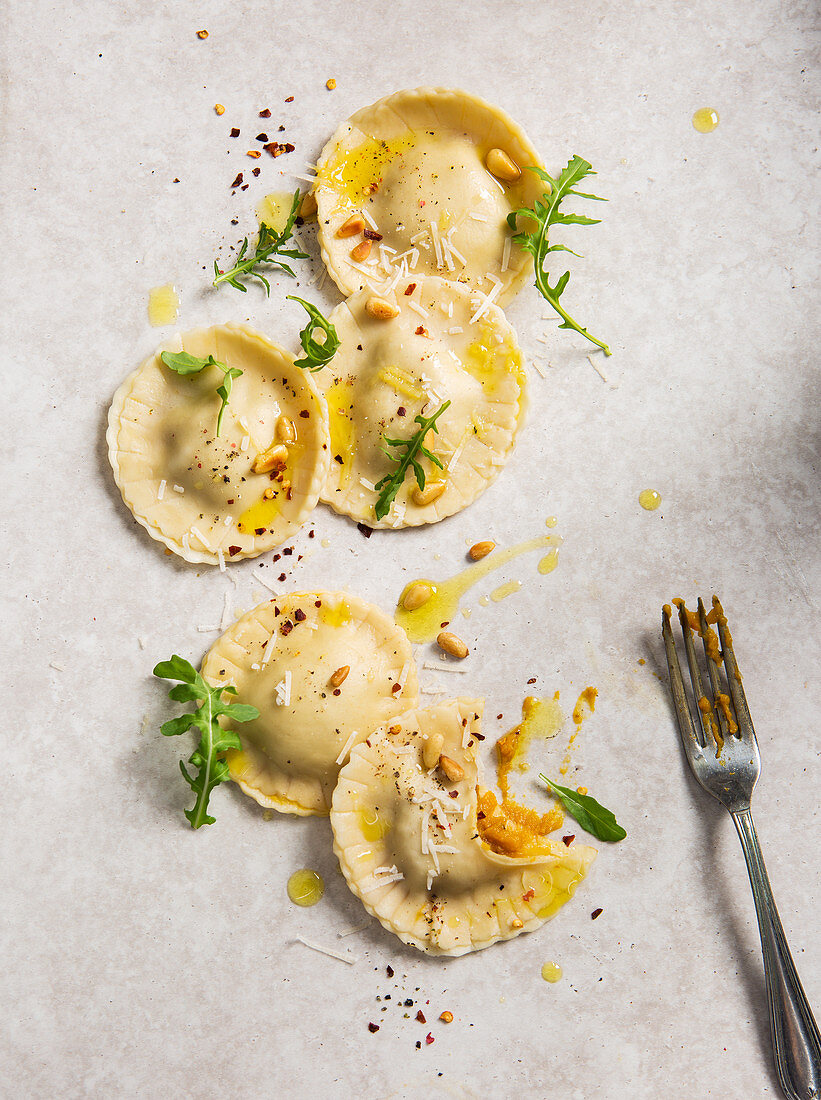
[[796, 1041]]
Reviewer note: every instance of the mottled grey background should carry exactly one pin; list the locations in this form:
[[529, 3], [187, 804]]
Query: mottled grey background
[[141, 959]]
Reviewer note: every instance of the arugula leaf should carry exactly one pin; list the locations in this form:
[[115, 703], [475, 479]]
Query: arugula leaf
[[591, 815], [268, 250], [545, 212], [183, 363], [316, 354], [391, 483], [208, 756]]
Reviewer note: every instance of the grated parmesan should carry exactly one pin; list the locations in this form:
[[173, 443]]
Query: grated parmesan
[[505, 255], [346, 748], [346, 958], [283, 690], [178, 488], [227, 612], [161, 490], [221, 560], [417, 308], [262, 580]]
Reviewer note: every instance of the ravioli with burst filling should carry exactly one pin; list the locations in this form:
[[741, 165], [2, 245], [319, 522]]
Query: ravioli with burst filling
[[323, 669], [216, 498], [416, 167], [444, 345], [409, 842]]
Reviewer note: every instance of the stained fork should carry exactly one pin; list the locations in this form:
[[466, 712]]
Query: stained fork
[[721, 748]]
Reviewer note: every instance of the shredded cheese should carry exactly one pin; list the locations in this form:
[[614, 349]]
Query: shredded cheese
[[283, 690], [346, 748], [264, 581], [161, 490], [221, 560], [227, 612], [505, 255], [346, 958], [178, 488]]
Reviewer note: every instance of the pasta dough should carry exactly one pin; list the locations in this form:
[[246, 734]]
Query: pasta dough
[[404, 819], [198, 493], [414, 165], [443, 345], [282, 657]]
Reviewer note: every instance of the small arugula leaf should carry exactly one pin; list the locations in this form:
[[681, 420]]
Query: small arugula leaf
[[590, 814], [183, 363], [269, 250], [317, 353], [207, 758], [544, 213], [390, 484]]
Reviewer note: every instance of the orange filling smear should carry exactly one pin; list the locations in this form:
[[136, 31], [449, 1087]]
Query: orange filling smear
[[514, 830], [706, 709], [711, 645], [723, 703]]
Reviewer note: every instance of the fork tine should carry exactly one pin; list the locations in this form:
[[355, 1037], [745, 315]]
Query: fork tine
[[711, 657], [695, 676], [687, 728], [745, 722]]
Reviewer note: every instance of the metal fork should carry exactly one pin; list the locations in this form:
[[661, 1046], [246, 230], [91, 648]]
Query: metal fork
[[721, 748]]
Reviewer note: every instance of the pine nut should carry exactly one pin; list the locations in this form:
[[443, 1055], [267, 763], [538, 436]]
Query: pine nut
[[381, 309], [452, 644], [481, 550], [432, 491], [285, 430], [446, 1017], [501, 166], [307, 207], [268, 460], [339, 676], [432, 750], [352, 227], [452, 771], [361, 251], [417, 595], [218, 107], [269, 494]]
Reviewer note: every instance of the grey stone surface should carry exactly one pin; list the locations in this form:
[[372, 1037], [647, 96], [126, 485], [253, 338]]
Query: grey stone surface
[[143, 960]]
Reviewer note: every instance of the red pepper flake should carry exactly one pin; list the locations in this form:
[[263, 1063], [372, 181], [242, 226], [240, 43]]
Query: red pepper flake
[[421, 331], [499, 717], [286, 628], [233, 550], [230, 501], [304, 414], [234, 131], [529, 895], [401, 411], [363, 530], [311, 534], [409, 289], [569, 839], [277, 148], [259, 530], [290, 99], [238, 180], [255, 171], [532, 680], [265, 113], [420, 1016], [453, 794], [373, 1028], [282, 577], [389, 971], [261, 137], [596, 913], [337, 691], [428, 1039], [300, 615], [317, 603], [202, 34], [371, 234], [396, 688]]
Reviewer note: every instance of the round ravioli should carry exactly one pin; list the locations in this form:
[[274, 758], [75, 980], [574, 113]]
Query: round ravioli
[[422, 183], [213, 498], [324, 669], [405, 827], [442, 346]]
